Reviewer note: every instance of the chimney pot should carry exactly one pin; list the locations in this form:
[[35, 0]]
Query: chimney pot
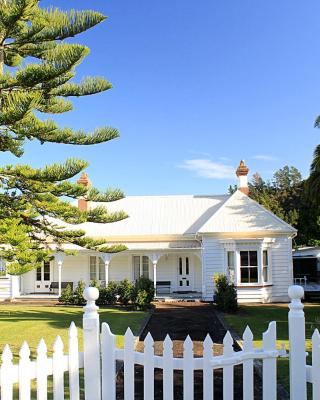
[[84, 180], [242, 174]]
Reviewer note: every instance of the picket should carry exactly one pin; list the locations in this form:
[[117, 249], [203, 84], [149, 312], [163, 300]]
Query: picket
[[108, 349], [129, 365], [6, 374], [148, 371], [188, 369], [73, 360], [24, 372], [228, 369], [57, 367], [248, 365], [167, 369], [42, 380], [316, 365], [102, 351], [269, 373], [207, 370]]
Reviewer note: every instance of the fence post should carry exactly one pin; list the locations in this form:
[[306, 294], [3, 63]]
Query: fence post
[[297, 355], [91, 346]]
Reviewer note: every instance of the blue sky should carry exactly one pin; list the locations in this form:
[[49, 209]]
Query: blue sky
[[198, 85]]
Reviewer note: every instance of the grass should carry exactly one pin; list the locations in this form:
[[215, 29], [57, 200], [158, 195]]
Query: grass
[[258, 317], [31, 323]]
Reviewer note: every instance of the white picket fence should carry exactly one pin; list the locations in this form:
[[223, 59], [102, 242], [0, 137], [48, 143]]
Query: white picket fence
[[100, 355]]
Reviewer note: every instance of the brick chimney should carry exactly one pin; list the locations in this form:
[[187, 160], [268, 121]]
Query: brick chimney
[[84, 180], [242, 174]]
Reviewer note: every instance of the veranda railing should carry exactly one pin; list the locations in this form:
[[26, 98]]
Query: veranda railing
[[100, 355]]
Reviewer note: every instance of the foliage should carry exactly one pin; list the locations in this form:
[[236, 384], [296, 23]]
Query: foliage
[[142, 299], [126, 292], [78, 298], [145, 285], [225, 294], [95, 283], [285, 195], [108, 295], [37, 67], [67, 296]]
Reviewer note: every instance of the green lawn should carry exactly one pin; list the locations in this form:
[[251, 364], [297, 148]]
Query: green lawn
[[258, 317], [31, 323]]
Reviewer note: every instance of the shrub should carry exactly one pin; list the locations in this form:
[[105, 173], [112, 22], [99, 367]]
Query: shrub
[[126, 292], [67, 296], [95, 283], [145, 284], [142, 300], [225, 294], [78, 294], [108, 295]]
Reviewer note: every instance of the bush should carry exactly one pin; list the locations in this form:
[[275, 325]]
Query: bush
[[67, 296], [142, 300], [108, 295], [225, 294], [78, 294], [95, 283], [126, 292], [146, 285]]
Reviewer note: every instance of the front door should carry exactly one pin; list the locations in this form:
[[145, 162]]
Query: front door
[[184, 274], [43, 278]]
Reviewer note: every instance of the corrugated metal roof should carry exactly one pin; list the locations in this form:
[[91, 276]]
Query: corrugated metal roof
[[242, 214], [157, 215]]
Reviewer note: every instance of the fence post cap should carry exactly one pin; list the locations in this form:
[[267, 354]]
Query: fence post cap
[[91, 293], [295, 292]]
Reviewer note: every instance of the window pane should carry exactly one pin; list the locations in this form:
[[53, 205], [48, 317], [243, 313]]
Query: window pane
[[180, 266], [230, 259], [145, 266], [244, 275], [102, 271], [187, 266], [136, 267], [46, 271], [265, 274], [39, 274], [265, 257], [253, 275], [244, 258], [93, 268], [253, 258]]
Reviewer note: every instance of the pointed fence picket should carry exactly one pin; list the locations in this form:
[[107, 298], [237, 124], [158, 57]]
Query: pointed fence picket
[[248, 365], [167, 369], [100, 353]]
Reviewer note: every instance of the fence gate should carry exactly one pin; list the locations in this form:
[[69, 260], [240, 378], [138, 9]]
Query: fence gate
[[101, 354]]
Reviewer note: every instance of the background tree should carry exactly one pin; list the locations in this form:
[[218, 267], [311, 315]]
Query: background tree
[[36, 71], [286, 197]]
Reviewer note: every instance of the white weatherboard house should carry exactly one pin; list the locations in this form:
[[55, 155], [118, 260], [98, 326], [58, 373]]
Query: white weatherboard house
[[179, 242]]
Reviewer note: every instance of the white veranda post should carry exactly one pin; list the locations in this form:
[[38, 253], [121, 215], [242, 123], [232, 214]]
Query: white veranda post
[[154, 259], [106, 258], [60, 258]]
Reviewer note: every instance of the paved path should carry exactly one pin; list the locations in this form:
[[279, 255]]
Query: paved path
[[178, 320]]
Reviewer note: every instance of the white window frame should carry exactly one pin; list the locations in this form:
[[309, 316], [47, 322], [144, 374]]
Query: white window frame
[[141, 257], [236, 247]]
